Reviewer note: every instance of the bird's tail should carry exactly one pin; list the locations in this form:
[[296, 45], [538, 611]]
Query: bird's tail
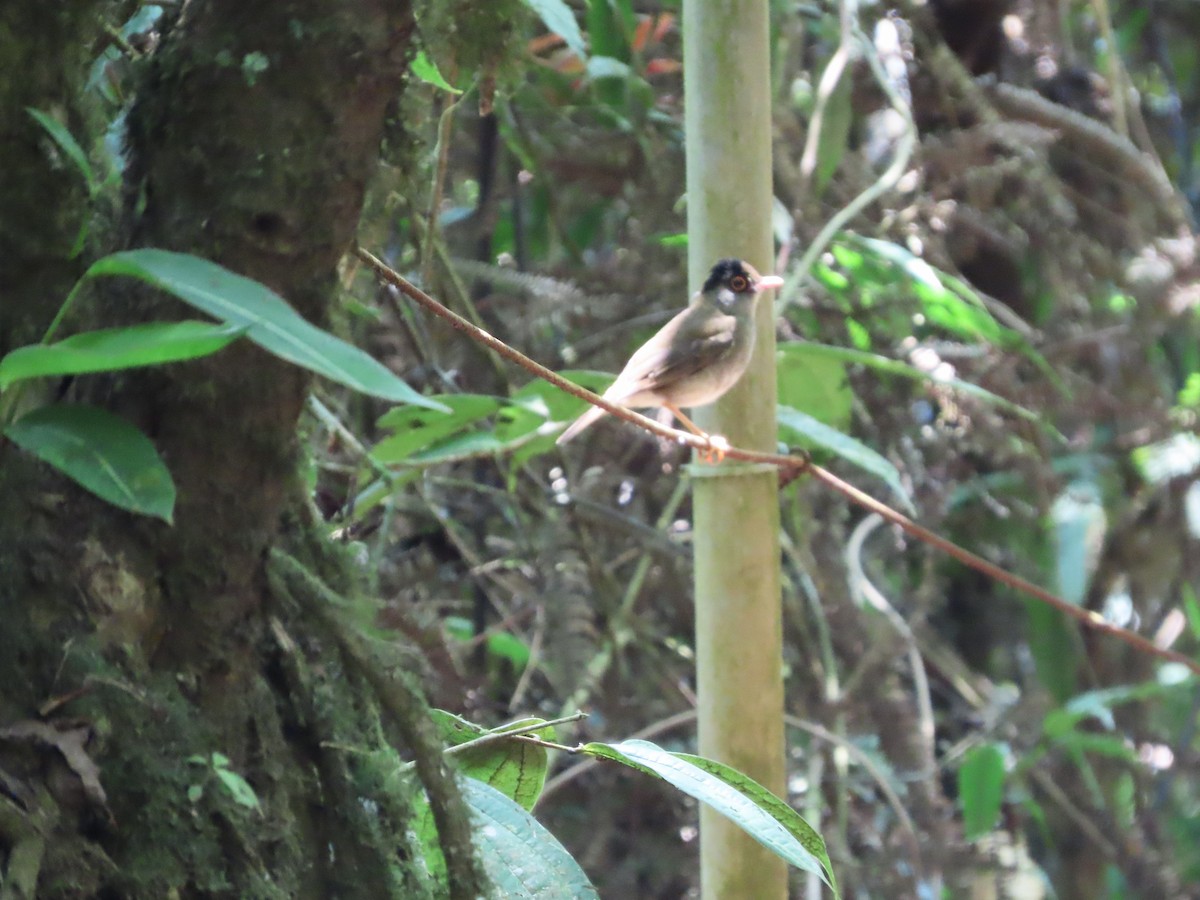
[[579, 424]]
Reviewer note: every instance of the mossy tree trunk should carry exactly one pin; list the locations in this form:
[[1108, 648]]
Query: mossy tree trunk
[[256, 129]]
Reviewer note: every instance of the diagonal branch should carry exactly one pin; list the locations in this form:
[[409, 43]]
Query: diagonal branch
[[1086, 617]]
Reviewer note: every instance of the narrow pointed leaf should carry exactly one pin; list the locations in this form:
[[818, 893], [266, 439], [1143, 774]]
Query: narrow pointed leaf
[[760, 813], [118, 348], [417, 429], [426, 69], [557, 16], [102, 452], [269, 320], [852, 450], [981, 789], [904, 370], [67, 143]]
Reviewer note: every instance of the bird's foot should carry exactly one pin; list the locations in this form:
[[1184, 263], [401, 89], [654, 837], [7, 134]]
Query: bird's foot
[[716, 449]]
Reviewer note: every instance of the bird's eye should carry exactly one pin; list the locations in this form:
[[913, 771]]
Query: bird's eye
[[739, 283]]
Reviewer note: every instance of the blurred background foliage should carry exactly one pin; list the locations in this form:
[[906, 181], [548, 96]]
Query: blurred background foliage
[[1012, 326]]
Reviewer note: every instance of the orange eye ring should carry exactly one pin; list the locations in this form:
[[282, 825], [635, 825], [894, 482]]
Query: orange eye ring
[[739, 284]]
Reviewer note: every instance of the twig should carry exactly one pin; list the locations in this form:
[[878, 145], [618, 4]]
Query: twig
[[618, 625], [445, 129], [1096, 142], [534, 662], [1085, 617], [826, 88], [865, 591], [885, 182], [520, 731], [432, 233]]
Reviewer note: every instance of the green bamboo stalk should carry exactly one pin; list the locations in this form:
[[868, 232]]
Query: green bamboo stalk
[[738, 601]]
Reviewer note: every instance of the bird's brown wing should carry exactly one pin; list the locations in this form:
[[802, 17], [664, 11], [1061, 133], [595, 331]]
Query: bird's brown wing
[[689, 343]]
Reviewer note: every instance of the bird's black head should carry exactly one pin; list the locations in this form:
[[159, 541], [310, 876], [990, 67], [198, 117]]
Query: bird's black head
[[732, 274]]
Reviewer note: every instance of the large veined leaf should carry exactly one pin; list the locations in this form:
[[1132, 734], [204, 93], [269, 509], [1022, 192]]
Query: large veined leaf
[[102, 452], [853, 451], [118, 348], [763, 816], [520, 857], [268, 319], [515, 768], [523, 860]]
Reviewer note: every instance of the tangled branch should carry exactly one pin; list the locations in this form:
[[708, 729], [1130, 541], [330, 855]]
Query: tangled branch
[[786, 463]]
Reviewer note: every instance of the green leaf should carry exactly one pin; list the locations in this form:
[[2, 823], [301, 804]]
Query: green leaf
[[454, 729], [1113, 746], [951, 303], [853, 451], [520, 857], [238, 787], [905, 370], [1191, 608], [475, 443], [500, 645], [835, 133], [269, 321], [509, 647], [415, 429], [679, 239], [981, 789], [964, 316], [558, 17], [67, 144], [815, 383], [1079, 525], [118, 348], [1098, 704], [859, 336], [555, 404], [762, 815], [537, 406], [102, 452], [604, 30], [426, 69], [1054, 645], [515, 768], [607, 67]]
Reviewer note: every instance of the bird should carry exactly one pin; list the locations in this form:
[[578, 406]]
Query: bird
[[698, 355]]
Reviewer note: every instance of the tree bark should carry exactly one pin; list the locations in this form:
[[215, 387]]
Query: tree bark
[[255, 132]]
